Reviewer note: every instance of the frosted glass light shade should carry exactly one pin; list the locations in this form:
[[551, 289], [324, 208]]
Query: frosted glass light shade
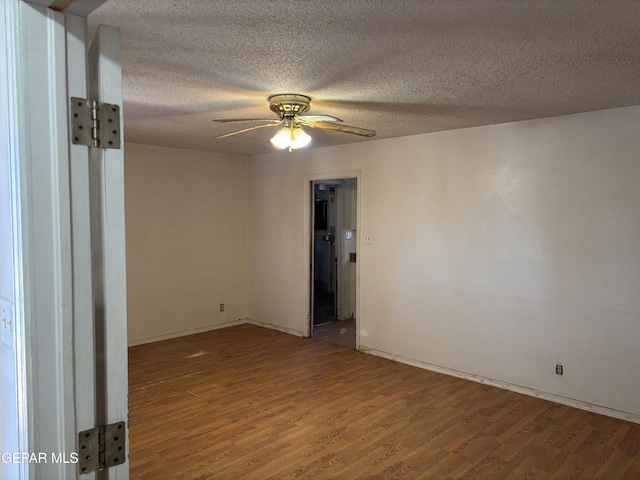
[[282, 139], [292, 138], [299, 138]]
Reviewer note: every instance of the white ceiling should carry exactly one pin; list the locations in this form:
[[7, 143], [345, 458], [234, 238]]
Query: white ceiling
[[397, 67]]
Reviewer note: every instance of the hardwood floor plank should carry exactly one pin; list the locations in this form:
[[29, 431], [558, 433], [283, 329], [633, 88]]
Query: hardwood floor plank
[[252, 403]]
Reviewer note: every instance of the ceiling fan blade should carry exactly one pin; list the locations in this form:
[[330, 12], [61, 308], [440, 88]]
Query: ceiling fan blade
[[317, 118], [363, 132], [227, 120], [273, 124]]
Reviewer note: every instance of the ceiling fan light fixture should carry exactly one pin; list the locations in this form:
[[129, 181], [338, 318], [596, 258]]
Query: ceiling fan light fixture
[[299, 138], [282, 139], [291, 138], [290, 108]]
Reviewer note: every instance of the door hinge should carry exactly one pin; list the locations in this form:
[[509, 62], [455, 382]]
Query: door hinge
[[95, 124], [101, 447]]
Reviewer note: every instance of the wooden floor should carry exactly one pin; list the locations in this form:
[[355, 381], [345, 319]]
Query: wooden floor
[[252, 403], [340, 332]]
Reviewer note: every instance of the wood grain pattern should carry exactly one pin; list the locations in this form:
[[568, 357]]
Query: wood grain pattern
[[251, 403]]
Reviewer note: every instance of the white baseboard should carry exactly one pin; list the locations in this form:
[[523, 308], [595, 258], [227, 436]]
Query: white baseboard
[[184, 333], [290, 331], [552, 397]]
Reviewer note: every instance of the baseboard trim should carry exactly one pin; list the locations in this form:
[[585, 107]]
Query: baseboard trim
[[552, 397], [184, 333], [279, 328]]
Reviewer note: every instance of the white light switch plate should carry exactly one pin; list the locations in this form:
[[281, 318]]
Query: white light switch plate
[[367, 238]]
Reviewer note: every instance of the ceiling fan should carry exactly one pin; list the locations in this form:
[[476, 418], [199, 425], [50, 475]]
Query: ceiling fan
[[290, 108]]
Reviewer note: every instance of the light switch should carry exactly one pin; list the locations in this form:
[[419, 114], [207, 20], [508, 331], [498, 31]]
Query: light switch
[[367, 238]]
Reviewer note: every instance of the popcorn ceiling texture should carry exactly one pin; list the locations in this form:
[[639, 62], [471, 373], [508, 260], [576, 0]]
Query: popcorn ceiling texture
[[397, 67]]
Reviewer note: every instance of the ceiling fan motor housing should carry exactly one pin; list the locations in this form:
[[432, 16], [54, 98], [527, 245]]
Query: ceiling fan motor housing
[[288, 105]]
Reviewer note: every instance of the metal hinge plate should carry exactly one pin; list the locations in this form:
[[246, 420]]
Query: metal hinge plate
[[101, 447], [95, 124]]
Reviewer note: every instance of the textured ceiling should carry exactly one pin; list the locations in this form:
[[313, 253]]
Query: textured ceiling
[[397, 67]]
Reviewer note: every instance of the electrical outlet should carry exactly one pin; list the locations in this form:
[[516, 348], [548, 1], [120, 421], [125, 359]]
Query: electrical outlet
[[559, 369], [222, 307]]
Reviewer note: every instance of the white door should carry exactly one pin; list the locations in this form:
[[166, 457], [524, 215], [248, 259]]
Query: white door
[[70, 302], [346, 226]]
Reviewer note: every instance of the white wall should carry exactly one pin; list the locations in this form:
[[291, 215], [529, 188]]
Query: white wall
[[186, 226], [497, 251]]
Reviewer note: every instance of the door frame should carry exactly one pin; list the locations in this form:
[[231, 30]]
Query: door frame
[[52, 405], [44, 297], [308, 216], [10, 14]]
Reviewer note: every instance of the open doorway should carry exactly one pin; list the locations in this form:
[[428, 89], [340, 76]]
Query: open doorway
[[333, 258], [324, 252]]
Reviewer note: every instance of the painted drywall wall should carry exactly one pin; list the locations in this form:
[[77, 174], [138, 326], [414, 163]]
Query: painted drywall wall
[[186, 221], [497, 251]]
